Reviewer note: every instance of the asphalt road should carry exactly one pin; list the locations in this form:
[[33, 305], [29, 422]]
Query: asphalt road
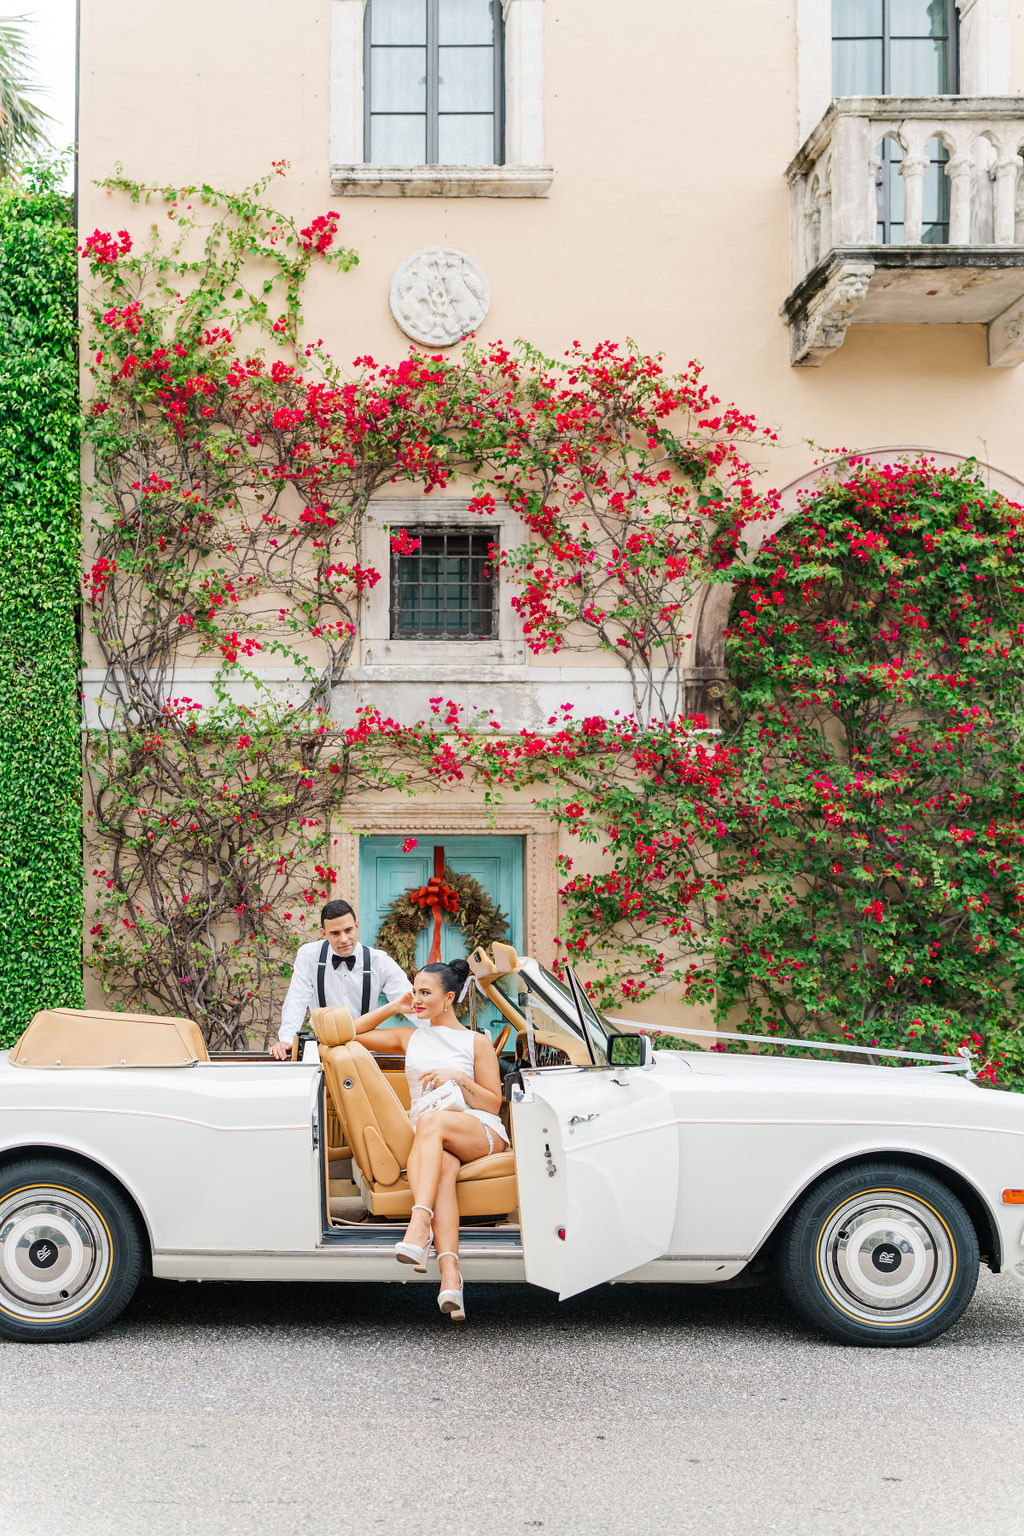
[[277, 1410]]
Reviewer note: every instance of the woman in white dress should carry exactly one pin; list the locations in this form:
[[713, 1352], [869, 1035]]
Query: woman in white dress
[[444, 1139]]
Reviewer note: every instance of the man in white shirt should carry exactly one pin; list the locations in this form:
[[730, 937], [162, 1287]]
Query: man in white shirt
[[336, 971]]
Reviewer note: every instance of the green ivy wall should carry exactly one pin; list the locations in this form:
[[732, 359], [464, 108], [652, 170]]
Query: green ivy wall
[[40, 738]]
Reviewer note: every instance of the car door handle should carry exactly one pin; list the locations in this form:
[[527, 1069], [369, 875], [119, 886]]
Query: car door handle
[[582, 1119]]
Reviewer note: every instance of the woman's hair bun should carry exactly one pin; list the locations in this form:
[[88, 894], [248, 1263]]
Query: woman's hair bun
[[453, 973]]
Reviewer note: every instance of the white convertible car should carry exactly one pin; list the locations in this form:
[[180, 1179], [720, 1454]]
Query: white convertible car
[[872, 1191]]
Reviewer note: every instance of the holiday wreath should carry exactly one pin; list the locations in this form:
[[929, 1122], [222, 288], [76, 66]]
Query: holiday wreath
[[459, 898]]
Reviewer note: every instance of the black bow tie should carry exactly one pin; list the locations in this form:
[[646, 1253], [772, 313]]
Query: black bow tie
[[349, 960]]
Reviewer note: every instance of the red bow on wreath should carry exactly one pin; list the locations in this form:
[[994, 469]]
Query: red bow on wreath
[[440, 897]]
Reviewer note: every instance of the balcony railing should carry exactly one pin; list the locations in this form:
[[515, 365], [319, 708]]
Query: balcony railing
[[869, 154]]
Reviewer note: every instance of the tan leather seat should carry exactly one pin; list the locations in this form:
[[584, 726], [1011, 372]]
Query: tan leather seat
[[378, 1130], [338, 1149]]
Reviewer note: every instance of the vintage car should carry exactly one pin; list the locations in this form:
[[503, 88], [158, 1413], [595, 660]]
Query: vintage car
[[872, 1191]]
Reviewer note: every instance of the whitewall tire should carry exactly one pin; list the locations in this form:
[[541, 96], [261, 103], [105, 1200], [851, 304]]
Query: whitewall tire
[[880, 1254], [70, 1251]]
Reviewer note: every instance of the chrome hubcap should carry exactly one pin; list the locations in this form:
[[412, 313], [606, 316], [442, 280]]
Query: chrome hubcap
[[886, 1257], [54, 1253]]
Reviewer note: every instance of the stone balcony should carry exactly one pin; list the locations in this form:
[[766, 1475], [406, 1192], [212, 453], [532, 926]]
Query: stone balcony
[[843, 276]]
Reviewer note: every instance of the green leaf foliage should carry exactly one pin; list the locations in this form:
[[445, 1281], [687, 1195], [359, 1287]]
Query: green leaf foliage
[[40, 743], [876, 651]]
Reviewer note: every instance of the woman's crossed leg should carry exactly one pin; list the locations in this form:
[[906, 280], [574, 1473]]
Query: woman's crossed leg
[[444, 1140]]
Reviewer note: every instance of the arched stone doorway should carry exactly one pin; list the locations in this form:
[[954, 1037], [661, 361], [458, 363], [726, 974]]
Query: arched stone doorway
[[707, 675]]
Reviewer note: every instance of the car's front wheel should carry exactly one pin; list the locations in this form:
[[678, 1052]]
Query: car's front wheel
[[70, 1251], [878, 1254]]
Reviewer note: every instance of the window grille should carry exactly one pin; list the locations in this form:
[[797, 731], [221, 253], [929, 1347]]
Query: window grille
[[434, 88], [446, 589], [900, 48]]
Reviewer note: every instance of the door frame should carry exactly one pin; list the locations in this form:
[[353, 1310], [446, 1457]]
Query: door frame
[[540, 851]]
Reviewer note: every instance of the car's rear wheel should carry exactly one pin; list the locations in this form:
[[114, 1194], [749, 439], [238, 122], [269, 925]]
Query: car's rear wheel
[[880, 1254], [70, 1251]]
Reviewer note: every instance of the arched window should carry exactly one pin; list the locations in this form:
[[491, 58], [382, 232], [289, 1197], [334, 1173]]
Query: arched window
[[433, 87], [899, 48]]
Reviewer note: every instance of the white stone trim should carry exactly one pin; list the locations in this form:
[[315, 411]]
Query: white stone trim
[[524, 173], [984, 55], [442, 658], [524, 82], [517, 695], [346, 81], [441, 181], [984, 47], [813, 63]]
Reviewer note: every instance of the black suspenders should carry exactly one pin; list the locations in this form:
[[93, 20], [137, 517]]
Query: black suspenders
[[365, 1005], [321, 972]]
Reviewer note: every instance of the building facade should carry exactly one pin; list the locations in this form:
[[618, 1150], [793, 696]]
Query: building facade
[[822, 201]]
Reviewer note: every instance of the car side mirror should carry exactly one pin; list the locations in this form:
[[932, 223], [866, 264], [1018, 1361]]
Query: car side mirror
[[630, 1051]]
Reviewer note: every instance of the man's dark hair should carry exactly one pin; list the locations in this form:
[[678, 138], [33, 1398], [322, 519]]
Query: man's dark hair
[[336, 909]]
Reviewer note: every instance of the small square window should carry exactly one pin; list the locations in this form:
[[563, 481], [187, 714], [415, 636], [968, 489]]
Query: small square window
[[446, 589]]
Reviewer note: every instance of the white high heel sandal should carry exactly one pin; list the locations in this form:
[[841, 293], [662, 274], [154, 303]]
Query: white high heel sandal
[[452, 1302], [410, 1253]]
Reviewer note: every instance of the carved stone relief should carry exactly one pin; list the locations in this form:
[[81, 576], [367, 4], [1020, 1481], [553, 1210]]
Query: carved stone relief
[[821, 328], [1006, 338], [439, 295]]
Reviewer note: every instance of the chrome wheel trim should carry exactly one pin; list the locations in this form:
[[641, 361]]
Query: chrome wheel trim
[[55, 1254], [886, 1257]]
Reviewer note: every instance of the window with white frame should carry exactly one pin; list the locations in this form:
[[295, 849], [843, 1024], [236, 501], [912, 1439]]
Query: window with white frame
[[899, 48], [445, 599], [432, 98], [913, 47]]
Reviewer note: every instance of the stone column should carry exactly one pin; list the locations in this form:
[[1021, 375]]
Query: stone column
[[958, 169], [912, 170], [1006, 170]]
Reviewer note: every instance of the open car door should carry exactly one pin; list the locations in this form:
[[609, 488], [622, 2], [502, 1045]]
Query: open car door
[[597, 1159]]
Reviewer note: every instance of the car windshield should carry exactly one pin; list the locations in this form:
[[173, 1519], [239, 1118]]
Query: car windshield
[[554, 1012]]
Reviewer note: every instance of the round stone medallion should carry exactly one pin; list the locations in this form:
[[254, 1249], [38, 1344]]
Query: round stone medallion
[[438, 296]]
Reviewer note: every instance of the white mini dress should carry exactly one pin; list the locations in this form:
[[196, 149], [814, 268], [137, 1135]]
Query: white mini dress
[[442, 1049]]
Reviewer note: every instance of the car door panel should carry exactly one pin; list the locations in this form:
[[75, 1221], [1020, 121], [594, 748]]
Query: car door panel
[[597, 1157]]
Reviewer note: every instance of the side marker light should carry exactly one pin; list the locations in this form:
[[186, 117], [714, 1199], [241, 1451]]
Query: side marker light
[[1013, 1196]]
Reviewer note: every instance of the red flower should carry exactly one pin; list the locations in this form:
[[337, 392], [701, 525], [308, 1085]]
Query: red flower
[[319, 233], [98, 577], [402, 544], [103, 248]]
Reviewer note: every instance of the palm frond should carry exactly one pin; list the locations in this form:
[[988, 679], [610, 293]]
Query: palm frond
[[22, 121]]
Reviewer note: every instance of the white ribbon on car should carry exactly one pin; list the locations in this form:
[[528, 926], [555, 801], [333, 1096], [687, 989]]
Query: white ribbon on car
[[469, 990], [527, 1006]]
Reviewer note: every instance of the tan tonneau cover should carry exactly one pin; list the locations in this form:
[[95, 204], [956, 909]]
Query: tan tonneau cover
[[90, 1037]]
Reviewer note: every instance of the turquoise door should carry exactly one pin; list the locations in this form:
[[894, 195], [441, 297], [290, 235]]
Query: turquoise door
[[385, 872]]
